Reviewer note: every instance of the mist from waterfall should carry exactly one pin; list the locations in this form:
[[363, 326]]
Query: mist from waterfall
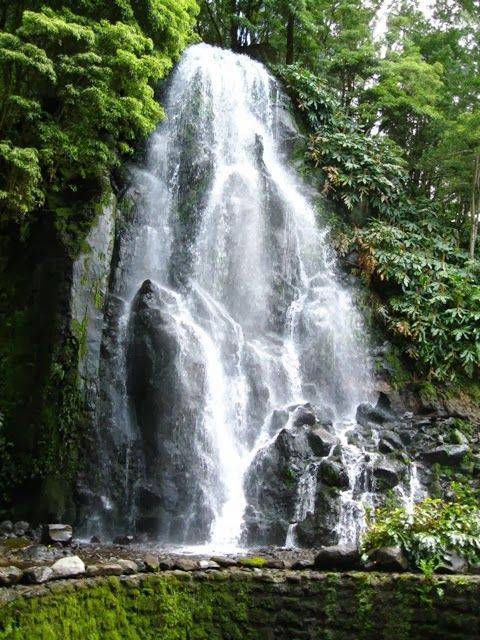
[[225, 307]]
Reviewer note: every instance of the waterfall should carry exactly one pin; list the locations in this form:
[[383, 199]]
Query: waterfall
[[225, 309]]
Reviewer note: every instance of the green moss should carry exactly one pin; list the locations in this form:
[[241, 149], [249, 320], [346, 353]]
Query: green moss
[[256, 562], [16, 543]]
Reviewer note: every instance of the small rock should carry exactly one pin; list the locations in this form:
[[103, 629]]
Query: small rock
[[208, 564], [447, 454], [107, 569], [344, 557], [128, 566], [152, 563], [321, 441], [6, 526], [9, 576], [123, 540], [167, 564], [184, 564], [21, 527], [37, 575], [224, 562], [387, 559], [40, 553], [61, 533], [303, 564], [95, 540], [68, 567]]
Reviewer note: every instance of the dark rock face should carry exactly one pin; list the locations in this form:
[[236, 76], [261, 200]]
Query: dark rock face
[[166, 415], [447, 454], [321, 441], [333, 473], [320, 527], [271, 487], [388, 472]]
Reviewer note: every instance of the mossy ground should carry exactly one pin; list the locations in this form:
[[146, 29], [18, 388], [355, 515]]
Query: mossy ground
[[246, 606]]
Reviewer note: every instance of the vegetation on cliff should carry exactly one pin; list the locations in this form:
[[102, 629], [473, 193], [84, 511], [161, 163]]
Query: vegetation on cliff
[[77, 96]]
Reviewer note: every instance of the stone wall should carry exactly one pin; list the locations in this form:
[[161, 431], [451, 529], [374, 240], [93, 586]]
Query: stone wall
[[245, 604]]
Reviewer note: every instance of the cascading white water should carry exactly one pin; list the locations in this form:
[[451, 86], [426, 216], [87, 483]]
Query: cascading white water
[[226, 307]]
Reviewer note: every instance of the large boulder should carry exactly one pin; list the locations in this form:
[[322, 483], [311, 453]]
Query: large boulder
[[339, 557], [271, 486]]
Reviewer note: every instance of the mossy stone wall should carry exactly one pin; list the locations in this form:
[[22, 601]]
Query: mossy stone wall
[[245, 605]]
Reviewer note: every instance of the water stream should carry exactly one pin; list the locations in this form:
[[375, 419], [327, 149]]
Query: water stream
[[225, 305]]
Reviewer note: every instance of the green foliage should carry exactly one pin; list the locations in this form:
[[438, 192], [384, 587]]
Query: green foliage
[[434, 301], [409, 254], [361, 171], [77, 93], [434, 529]]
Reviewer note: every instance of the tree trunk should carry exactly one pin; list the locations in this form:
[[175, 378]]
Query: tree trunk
[[290, 57], [475, 206]]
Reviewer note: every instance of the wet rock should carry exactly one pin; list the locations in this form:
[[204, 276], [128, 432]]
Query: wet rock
[[95, 540], [341, 557], [321, 441], [107, 569], [128, 566], [68, 567], [378, 414], [9, 576], [304, 415], [453, 563], [124, 540], [333, 473], [390, 442], [320, 527], [447, 454], [152, 562], [53, 533], [6, 526], [303, 564], [166, 564], [387, 472], [271, 485], [278, 420], [37, 575], [387, 559]]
